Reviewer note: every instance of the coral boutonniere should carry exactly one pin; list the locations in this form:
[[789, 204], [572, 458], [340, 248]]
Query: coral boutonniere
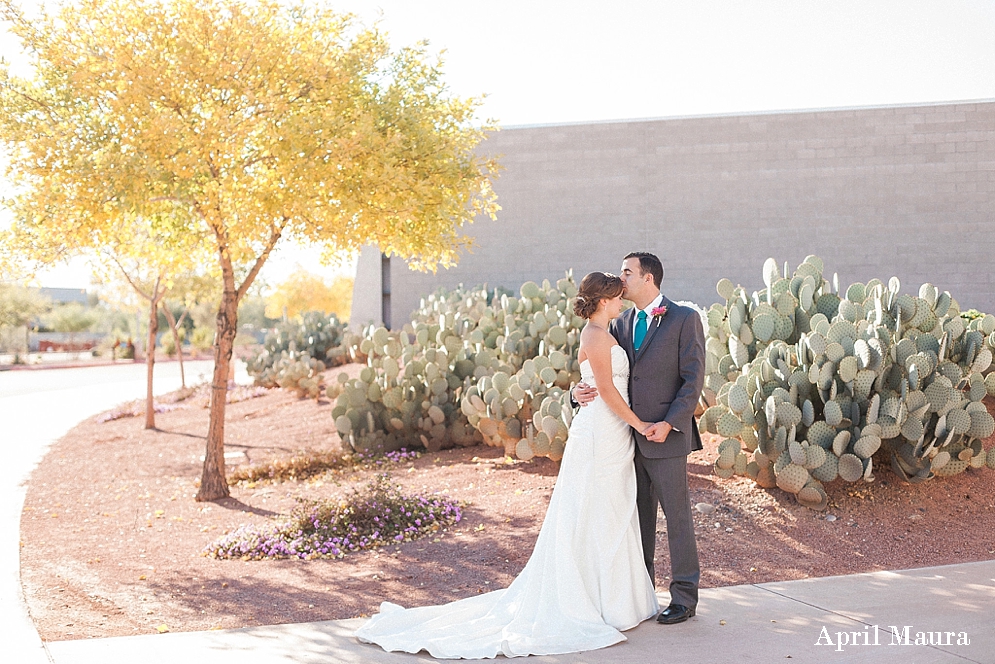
[[658, 313]]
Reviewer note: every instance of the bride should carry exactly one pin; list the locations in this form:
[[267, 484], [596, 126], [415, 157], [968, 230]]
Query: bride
[[586, 581]]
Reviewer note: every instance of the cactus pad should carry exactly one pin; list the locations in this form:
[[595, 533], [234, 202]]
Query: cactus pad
[[889, 427], [829, 470], [982, 424], [841, 442], [728, 425], [821, 434], [815, 456], [851, 468], [788, 414], [813, 497], [832, 413], [848, 368], [951, 468], [958, 421], [738, 398], [792, 478], [913, 429], [866, 446]]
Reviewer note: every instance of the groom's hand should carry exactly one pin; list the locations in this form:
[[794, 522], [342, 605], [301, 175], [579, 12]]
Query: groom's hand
[[657, 433], [584, 394]]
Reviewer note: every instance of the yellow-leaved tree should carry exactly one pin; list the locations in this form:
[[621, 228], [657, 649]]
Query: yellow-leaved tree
[[151, 257], [249, 122], [303, 291], [188, 289]]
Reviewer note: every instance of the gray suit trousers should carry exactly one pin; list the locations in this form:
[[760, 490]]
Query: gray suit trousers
[[666, 481]]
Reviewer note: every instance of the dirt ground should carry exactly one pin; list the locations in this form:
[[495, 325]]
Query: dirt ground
[[112, 540]]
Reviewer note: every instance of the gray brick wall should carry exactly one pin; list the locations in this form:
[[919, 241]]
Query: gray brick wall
[[876, 192]]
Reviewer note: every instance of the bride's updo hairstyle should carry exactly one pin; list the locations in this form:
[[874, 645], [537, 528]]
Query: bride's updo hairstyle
[[595, 287]]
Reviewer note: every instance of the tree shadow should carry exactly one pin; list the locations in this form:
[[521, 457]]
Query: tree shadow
[[185, 434], [234, 504], [421, 572], [494, 457]]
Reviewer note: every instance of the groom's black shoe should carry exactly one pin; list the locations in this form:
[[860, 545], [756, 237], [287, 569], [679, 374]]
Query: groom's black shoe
[[673, 614]]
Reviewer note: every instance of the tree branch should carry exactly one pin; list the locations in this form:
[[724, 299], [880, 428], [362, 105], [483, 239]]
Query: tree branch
[[25, 95], [157, 293], [128, 278], [275, 235]]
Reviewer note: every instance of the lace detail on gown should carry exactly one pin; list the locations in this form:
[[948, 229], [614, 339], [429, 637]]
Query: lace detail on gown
[[585, 582]]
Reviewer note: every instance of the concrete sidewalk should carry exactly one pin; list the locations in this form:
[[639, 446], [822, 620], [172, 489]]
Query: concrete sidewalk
[[803, 621], [37, 408]]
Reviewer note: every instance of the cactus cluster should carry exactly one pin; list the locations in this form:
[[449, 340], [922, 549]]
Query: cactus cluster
[[816, 383], [318, 335], [404, 396], [474, 365], [296, 353], [298, 373], [523, 405]]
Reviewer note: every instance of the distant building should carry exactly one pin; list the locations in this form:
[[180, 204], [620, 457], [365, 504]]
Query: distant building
[[906, 191], [65, 295]]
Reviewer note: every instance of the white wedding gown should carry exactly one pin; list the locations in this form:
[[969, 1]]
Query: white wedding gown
[[586, 581]]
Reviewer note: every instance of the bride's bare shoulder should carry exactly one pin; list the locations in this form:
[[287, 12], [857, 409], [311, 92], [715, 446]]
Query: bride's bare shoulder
[[595, 341]]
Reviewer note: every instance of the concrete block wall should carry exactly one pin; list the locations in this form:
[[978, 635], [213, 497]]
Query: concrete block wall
[[901, 191]]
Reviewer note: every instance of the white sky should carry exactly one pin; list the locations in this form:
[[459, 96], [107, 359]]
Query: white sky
[[572, 61]]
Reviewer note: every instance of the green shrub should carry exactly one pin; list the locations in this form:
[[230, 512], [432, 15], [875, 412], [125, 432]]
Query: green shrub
[[202, 338]]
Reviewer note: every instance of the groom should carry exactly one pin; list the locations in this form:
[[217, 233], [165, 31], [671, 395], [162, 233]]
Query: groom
[[666, 348]]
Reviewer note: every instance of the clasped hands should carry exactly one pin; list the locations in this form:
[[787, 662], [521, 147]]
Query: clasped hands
[[655, 432]]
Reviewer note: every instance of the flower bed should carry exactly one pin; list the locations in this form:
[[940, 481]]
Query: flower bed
[[373, 516]]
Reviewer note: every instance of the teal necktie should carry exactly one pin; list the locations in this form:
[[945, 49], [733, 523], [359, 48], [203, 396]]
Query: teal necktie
[[640, 330]]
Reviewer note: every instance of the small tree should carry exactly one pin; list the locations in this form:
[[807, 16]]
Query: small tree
[[304, 291], [150, 259], [19, 306], [249, 123], [187, 289]]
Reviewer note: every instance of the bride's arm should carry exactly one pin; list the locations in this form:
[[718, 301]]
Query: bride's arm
[[598, 346]]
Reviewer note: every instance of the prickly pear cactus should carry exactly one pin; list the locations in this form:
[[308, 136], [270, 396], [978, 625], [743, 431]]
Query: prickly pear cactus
[[316, 335], [299, 373], [523, 405], [820, 383], [472, 366]]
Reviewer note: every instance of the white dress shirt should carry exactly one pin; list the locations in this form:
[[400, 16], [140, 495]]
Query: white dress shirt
[[649, 310]]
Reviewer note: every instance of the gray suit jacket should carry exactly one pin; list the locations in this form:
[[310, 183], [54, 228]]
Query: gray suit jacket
[[666, 376]]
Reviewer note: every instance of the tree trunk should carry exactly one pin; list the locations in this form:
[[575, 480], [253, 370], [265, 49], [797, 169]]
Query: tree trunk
[[213, 485], [174, 326], [150, 364]]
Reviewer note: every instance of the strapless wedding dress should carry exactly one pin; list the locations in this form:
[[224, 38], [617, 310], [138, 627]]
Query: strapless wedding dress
[[586, 581]]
